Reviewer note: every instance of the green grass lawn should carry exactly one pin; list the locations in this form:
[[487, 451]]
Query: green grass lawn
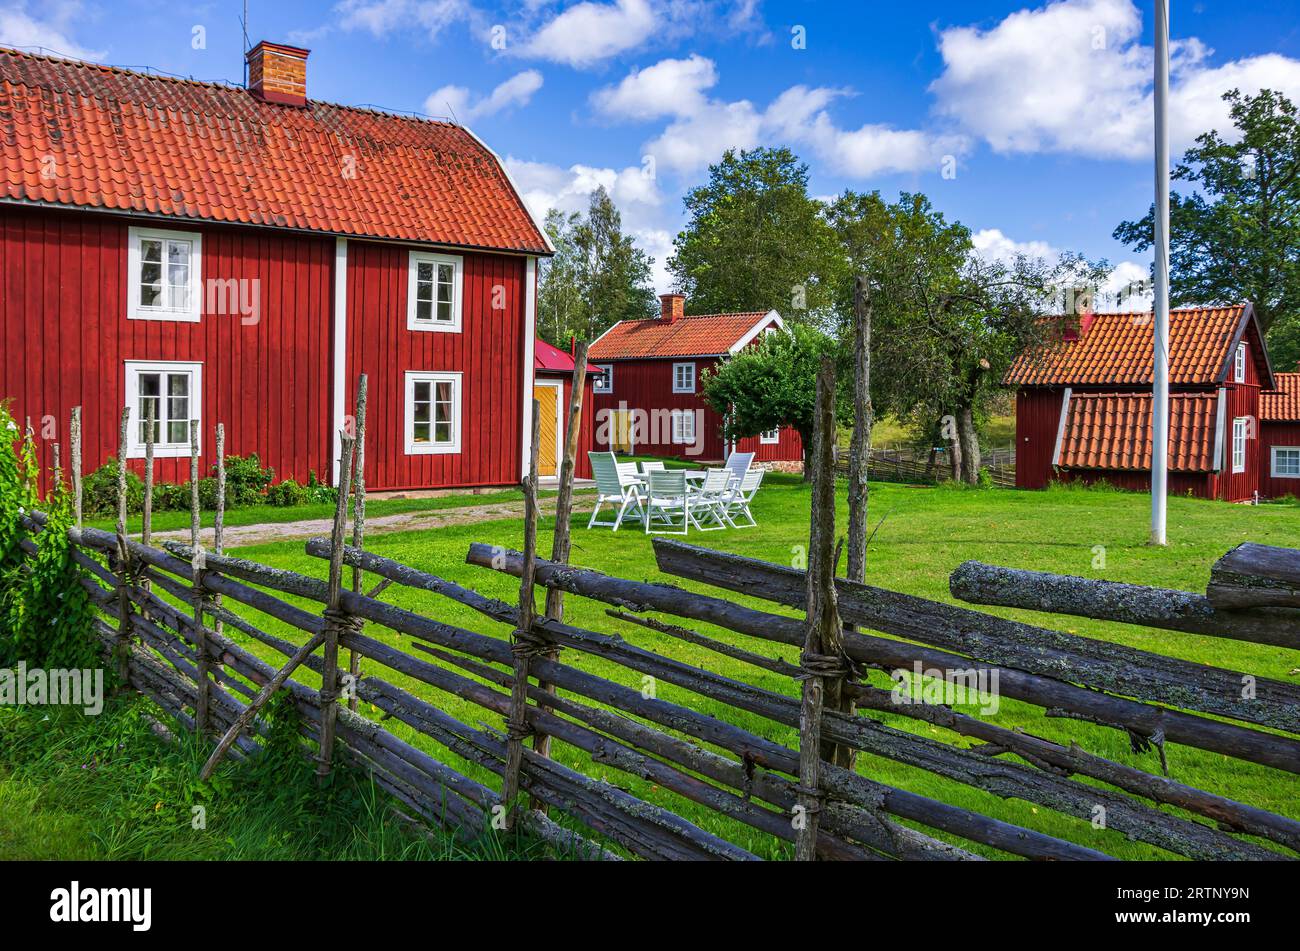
[[925, 533]]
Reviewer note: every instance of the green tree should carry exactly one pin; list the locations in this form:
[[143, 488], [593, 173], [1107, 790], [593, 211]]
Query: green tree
[[774, 384], [754, 239], [1236, 234], [597, 277]]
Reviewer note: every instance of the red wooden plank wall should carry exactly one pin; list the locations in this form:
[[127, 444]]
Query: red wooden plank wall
[[488, 352], [1276, 434]]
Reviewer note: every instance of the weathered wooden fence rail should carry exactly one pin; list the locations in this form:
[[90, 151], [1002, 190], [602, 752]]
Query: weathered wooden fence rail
[[209, 637]]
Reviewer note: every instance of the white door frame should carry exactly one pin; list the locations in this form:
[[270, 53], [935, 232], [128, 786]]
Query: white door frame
[[558, 386]]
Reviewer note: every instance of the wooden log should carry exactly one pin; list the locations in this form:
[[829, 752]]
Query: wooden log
[[335, 619], [863, 419], [219, 515], [776, 583], [74, 434], [146, 512], [197, 565], [123, 559], [978, 583], [1256, 576], [359, 509]]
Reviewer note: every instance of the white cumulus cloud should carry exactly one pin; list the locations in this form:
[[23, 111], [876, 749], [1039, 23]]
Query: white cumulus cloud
[[25, 25], [518, 90], [589, 32], [1124, 290]]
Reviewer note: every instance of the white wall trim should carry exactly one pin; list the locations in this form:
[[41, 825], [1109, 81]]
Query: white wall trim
[[770, 319], [137, 311], [340, 349], [164, 450], [530, 329], [1060, 426], [1272, 468], [1220, 421]]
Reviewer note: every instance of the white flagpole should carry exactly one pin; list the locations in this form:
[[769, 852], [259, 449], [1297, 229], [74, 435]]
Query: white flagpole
[[1160, 390]]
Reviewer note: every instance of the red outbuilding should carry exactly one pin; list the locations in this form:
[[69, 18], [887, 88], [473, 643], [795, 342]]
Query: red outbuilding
[[553, 391], [1084, 406], [648, 396], [1279, 419], [243, 255]]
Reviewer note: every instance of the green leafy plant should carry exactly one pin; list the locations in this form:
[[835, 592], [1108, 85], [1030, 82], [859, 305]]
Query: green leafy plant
[[16, 498], [246, 480], [99, 491]]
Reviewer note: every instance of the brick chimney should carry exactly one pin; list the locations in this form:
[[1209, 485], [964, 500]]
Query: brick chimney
[[673, 307], [278, 73]]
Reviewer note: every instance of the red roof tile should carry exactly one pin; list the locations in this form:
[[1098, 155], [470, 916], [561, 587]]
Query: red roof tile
[[95, 136], [551, 359], [1117, 350], [1282, 404], [703, 336], [1113, 431]]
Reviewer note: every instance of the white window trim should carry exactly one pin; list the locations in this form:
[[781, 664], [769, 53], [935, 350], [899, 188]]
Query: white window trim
[[134, 446], [457, 288], [766, 439], [408, 404], [1273, 466], [1239, 426], [1239, 364], [678, 388], [685, 439], [137, 311], [608, 370]]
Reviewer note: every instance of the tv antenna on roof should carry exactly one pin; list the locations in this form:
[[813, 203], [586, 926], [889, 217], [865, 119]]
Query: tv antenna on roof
[[243, 25]]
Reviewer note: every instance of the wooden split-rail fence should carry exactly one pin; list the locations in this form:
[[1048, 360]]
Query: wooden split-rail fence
[[902, 464], [190, 628]]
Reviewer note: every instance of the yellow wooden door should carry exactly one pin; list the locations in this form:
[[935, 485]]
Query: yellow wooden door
[[621, 438], [548, 445]]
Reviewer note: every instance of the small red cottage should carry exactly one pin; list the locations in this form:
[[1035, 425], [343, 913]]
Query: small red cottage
[[553, 390], [648, 394], [243, 255], [1083, 408], [1279, 418]]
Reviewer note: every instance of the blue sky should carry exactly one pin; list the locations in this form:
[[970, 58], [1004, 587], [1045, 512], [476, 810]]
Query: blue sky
[[1030, 123]]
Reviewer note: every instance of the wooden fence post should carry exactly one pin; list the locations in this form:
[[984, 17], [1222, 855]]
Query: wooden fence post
[[335, 619], [358, 517], [74, 435], [198, 564], [146, 514], [823, 662], [525, 642], [123, 556], [219, 515]]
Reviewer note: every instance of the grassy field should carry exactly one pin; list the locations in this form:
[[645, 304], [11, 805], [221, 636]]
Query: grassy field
[[925, 533]]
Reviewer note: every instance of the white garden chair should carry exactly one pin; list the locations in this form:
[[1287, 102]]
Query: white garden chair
[[647, 467], [738, 464], [667, 504], [615, 488], [736, 502], [709, 501]]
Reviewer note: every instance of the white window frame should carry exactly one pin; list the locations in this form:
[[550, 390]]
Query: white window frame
[[1239, 426], [678, 386], [679, 435], [138, 311], [770, 438], [434, 377], [607, 371], [135, 448], [1273, 470], [414, 260], [1239, 364]]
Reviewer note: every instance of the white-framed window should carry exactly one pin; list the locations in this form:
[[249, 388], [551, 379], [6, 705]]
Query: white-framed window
[[175, 391], [683, 377], [683, 426], [770, 438], [164, 274], [1286, 462], [433, 417], [1239, 428], [1239, 364], [604, 382], [433, 291]]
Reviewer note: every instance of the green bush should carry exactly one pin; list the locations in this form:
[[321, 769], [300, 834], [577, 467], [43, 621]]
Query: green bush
[[246, 481], [17, 496], [99, 491], [287, 493]]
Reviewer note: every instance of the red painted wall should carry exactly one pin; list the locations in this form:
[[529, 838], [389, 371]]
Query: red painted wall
[[1038, 416], [587, 429], [1276, 434], [1195, 484], [488, 352], [648, 385], [63, 289]]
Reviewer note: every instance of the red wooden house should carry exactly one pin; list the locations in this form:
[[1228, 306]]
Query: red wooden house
[[243, 255], [1083, 407], [553, 390], [1279, 433], [648, 396]]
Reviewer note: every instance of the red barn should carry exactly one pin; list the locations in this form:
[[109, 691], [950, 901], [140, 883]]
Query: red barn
[[1083, 408], [1279, 427], [553, 390], [648, 396], [243, 255]]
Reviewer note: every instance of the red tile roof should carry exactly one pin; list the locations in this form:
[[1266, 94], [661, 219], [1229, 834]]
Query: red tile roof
[[1282, 404], [83, 135], [551, 359], [1113, 431], [1116, 350], [703, 336]]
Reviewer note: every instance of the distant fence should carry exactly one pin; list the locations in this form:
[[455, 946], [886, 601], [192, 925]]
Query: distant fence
[[903, 464]]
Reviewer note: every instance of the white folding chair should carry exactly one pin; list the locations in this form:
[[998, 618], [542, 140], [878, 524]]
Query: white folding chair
[[613, 488], [648, 467], [709, 500], [667, 504], [736, 502], [738, 464]]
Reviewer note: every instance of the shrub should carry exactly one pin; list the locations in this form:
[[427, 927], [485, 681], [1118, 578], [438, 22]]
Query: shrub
[[16, 497], [246, 481], [287, 493], [99, 491]]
